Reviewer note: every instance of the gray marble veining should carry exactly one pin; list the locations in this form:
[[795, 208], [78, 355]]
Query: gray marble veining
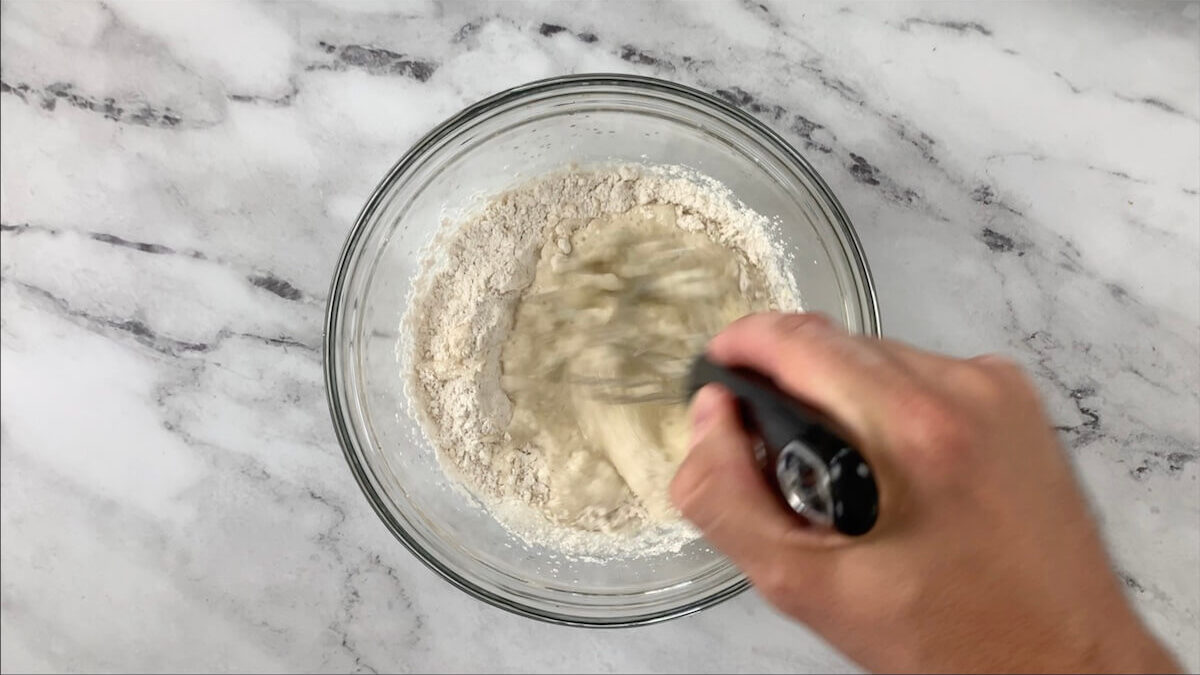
[[177, 179]]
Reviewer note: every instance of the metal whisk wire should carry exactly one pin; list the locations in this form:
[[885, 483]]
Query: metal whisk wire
[[638, 365]]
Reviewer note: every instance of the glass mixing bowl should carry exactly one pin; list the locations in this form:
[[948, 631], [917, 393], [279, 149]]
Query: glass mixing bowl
[[488, 147]]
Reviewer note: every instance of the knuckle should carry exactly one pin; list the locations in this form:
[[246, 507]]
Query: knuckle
[[975, 380], [1008, 376], [901, 597], [996, 362], [791, 585], [1021, 381], [1000, 366], [894, 595], [776, 580], [934, 433]]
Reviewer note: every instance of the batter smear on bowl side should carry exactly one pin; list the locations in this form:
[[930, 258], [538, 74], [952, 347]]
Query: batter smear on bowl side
[[513, 329]]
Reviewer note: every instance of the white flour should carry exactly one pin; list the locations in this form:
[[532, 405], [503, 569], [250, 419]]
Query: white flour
[[544, 489]]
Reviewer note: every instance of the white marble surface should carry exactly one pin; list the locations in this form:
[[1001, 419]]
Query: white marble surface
[[177, 180]]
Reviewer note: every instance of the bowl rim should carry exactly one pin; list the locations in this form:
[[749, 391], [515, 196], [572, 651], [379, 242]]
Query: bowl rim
[[334, 303]]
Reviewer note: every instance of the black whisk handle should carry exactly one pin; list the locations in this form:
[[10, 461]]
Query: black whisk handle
[[820, 475]]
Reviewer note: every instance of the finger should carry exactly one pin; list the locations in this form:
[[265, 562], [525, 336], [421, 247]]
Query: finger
[[721, 488], [854, 381], [926, 365]]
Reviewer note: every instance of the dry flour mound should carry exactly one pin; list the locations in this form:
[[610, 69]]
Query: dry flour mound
[[550, 463]]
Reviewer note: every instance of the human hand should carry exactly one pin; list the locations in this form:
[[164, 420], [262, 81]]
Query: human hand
[[984, 557]]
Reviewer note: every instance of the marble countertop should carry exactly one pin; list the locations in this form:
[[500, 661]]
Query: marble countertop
[[178, 178]]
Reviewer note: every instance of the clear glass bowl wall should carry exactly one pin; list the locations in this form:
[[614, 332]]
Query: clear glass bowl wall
[[485, 149]]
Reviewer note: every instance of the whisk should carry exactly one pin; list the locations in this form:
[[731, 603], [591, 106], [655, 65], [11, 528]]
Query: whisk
[[822, 477]]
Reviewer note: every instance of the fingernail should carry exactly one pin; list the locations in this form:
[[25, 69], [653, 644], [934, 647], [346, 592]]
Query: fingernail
[[704, 407]]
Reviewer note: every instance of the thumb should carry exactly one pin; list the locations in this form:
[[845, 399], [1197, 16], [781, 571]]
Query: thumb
[[721, 488]]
